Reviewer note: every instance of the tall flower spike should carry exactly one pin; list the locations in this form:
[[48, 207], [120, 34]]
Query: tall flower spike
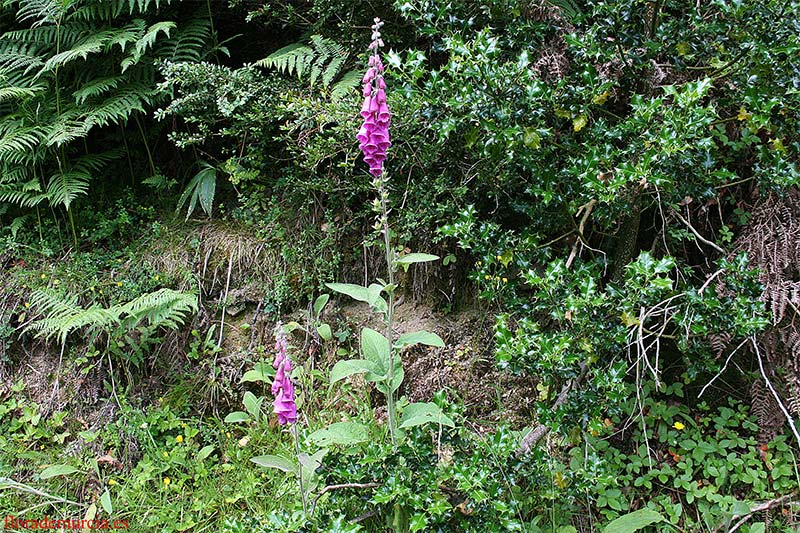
[[373, 136], [283, 390]]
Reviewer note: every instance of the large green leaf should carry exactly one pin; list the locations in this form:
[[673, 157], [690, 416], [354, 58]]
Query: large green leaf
[[634, 521], [201, 188], [277, 462], [340, 433], [324, 331], [420, 337], [356, 292], [418, 414], [261, 371], [376, 349], [57, 470], [416, 258], [237, 416], [344, 369], [409, 259], [253, 404], [397, 378], [105, 501], [320, 303]]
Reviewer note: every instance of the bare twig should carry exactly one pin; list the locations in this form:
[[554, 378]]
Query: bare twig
[[724, 367], [774, 392], [771, 504], [587, 210], [697, 234]]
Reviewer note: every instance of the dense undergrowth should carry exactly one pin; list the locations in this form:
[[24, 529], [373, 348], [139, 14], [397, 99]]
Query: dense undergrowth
[[599, 336]]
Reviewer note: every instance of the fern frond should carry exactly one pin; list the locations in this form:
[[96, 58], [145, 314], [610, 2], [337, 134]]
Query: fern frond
[[346, 84], [19, 140], [18, 93], [105, 10], [162, 308], [64, 187], [41, 11], [189, 43], [65, 130], [96, 87], [67, 36], [322, 60], [21, 198], [119, 107], [63, 315], [150, 36], [95, 162], [91, 45], [14, 174], [131, 33], [23, 58]]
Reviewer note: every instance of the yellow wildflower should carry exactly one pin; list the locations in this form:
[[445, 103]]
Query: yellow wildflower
[[179, 439], [167, 481], [679, 426], [112, 482]]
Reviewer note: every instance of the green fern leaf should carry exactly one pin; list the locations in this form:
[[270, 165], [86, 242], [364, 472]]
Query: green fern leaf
[[64, 187], [345, 85], [322, 60]]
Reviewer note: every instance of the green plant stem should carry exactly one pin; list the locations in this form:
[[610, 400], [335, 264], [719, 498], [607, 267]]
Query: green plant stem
[[146, 146], [299, 467], [72, 227], [390, 407]]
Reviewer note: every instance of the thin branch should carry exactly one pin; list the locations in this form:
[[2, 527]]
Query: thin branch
[[724, 367], [697, 234], [587, 210], [771, 504], [774, 392]]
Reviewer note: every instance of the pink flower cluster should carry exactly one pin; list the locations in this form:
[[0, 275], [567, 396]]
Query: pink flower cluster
[[373, 137], [282, 388]]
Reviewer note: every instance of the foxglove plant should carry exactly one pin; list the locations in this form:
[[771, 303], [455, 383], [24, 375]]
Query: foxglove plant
[[282, 388], [284, 405], [381, 363]]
